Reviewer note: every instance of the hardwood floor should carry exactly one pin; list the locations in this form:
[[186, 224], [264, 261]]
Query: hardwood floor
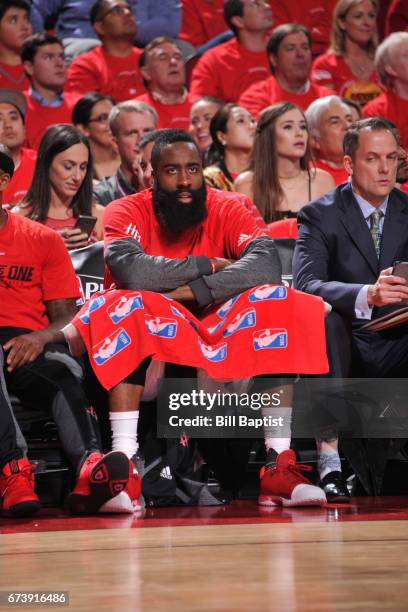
[[316, 566]]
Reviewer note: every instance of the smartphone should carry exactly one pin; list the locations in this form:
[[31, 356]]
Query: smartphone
[[86, 223], [400, 268]]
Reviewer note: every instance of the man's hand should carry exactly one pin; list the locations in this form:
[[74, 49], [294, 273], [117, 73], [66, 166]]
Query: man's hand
[[220, 263], [181, 294], [24, 349], [73, 238], [388, 289]]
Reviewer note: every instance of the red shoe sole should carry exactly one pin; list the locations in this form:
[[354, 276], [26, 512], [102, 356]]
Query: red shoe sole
[[107, 478]]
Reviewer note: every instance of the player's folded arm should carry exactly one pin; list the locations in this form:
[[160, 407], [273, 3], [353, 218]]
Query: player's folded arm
[[133, 269], [259, 264]]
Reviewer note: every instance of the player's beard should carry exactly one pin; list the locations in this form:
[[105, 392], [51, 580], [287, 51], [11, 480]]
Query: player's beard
[[176, 216]]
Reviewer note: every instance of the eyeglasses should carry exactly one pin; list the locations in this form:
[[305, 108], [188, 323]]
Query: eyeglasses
[[115, 10], [102, 118]]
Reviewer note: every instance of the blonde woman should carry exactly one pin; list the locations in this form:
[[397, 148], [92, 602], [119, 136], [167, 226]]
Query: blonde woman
[[348, 66]]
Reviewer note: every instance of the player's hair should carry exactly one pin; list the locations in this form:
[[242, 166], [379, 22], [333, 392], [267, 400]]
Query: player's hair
[[168, 137]]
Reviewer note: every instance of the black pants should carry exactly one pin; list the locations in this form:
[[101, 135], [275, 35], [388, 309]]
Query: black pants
[[51, 383], [353, 351]]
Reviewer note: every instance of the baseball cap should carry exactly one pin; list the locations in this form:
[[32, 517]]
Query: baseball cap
[[14, 97], [6, 161]]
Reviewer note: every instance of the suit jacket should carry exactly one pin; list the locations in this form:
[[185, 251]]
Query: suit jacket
[[335, 256]]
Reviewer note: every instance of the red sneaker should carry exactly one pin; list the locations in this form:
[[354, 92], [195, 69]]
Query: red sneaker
[[17, 488], [284, 485], [101, 478], [129, 500]]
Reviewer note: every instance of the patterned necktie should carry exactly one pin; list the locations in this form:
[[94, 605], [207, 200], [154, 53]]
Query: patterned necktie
[[375, 219]]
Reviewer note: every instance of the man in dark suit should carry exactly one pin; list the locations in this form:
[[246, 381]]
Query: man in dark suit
[[348, 242]]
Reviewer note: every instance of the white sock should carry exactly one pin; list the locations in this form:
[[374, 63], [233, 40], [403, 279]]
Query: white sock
[[328, 456], [271, 441], [124, 431]]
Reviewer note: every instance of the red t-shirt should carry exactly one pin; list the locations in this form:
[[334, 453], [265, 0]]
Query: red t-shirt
[[339, 174], [22, 177], [202, 20], [314, 14], [107, 74], [390, 106], [267, 92], [227, 70], [332, 71], [13, 77], [227, 230], [170, 115], [34, 268], [38, 117], [397, 17]]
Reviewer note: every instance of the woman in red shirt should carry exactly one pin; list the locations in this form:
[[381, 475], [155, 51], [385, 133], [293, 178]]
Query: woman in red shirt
[[62, 186], [348, 66]]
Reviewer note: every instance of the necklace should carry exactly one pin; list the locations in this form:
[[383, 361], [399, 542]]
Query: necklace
[[290, 178]]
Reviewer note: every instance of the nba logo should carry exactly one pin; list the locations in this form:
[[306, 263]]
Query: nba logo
[[217, 352], [124, 306], [244, 319], [111, 346], [161, 326], [214, 329], [268, 292], [270, 339], [177, 312], [225, 308], [94, 304]]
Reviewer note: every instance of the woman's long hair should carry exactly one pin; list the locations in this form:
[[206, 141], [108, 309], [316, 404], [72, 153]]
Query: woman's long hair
[[218, 123], [338, 35], [56, 139], [264, 160]]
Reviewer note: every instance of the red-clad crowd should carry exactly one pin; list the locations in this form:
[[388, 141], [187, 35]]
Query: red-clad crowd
[[273, 102]]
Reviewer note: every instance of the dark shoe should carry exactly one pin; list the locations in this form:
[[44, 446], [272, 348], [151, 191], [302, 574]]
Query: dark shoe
[[334, 486], [101, 478]]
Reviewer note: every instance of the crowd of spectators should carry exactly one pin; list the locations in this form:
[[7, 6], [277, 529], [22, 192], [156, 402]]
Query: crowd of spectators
[[266, 89]]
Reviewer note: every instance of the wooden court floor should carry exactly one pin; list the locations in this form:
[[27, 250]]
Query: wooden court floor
[[291, 560]]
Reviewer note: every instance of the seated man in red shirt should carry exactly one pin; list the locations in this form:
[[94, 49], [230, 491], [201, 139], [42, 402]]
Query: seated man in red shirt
[[47, 102], [175, 253], [15, 27], [113, 68], [38, 292], [164, 76], [202, 21], [391, 61], [227, 70], [328, 119], [290, 58], [13, 106]]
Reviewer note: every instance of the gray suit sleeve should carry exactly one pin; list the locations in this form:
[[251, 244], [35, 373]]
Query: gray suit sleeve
[[133, 269], [258, 264]]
